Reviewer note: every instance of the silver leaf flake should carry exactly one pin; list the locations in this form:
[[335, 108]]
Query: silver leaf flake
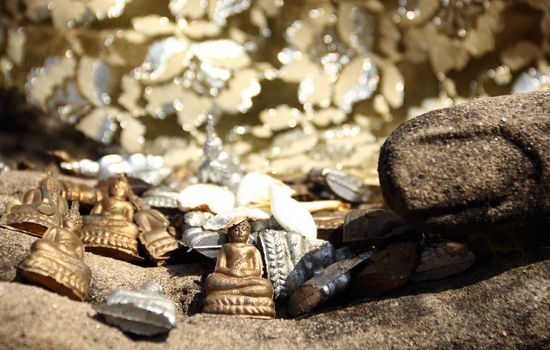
[[165, 59], [100, 124], [357, 82], [227, 8], [221, 53], [42, 81], [93, 79]]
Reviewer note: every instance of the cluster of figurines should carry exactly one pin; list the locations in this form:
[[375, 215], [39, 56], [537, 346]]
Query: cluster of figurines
[[325, 235]]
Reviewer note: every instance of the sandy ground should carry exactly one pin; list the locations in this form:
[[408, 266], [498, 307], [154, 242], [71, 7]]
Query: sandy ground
[[503, 303]]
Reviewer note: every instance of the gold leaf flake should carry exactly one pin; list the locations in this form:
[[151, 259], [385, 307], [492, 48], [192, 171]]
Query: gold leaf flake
[[315, 90], [520, 54], [131, 136], [100, 124], [324, 117], [165, 59], [393, 85], [242, 88], [188, 8], [280, 118], [93, 78], [221, 53], [199, 29], [130, 95], [357, 82], [153, 25], [16, 45], [43, 80]]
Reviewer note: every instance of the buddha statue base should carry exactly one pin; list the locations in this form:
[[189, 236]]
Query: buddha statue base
[[236, 287], [111, 237], [239, 305], [29, 220], [57, 271], [158, 244]]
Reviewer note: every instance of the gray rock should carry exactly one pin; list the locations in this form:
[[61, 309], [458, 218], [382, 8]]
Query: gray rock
[[482, 167]]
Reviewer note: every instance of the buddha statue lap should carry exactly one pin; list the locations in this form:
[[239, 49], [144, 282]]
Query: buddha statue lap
[[236, 286], [39, 209], [57, 260], [110, 230]]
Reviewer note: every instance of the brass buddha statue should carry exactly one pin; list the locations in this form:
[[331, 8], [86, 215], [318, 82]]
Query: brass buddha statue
[[110, 230], [236, 286], [57, 260], [157, 236], [39, 209]]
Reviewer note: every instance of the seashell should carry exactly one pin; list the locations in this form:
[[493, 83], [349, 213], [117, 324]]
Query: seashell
[[143, 312], [343, 185], [377, 227], [333, 280], [441, 259], [206, 197], [234, 216], [208, 243], [291, 259], [254, 189], [292, 216]]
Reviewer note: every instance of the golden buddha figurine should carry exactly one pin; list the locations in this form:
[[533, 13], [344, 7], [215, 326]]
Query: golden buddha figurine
[[157, 236], [57, 260], [110, 230], [236, 286], [39, 209]]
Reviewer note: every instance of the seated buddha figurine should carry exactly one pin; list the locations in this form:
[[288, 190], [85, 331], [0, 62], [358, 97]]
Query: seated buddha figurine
[[39, 209], [57, 260], [110, 230], [157, 236], [236, 286]]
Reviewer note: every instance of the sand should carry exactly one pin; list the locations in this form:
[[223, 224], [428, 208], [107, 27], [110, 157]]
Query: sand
[[503, 303]]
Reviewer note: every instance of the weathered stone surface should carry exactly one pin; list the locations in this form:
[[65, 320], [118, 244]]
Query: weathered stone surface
[[490, 306], [480, 167]]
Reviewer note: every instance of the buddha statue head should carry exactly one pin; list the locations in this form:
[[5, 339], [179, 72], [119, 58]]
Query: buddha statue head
[[73, 220], [240, 233], [120, 188]]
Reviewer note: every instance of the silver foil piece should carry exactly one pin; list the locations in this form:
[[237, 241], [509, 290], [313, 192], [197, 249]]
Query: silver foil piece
[[318, 290], [343, 185], [149, 168], [143, 312], [291, 259], [161, 197], [197, 218], [208, 243], [218, 167]]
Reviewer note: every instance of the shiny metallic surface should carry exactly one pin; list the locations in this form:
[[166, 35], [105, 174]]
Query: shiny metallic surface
[[218, 166], [161, 197], [341, 184], [291, 259], [144, 312], [207, 243], [331, 281]]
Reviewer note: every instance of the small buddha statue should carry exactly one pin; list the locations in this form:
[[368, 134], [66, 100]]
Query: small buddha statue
[[39, 209], [236, 286], [157, 236], [57, 260], [110, 230]]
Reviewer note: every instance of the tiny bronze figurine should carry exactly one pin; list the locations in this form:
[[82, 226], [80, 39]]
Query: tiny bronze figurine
[[40, 209], [110, 230], [236, 286], [157, 236], [57, 260]]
